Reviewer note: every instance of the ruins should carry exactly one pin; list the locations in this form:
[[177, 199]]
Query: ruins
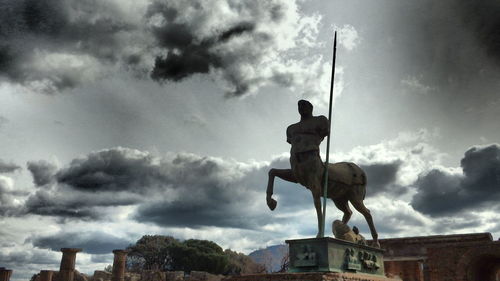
[[457, 257], [67, 271], [119, 264], [67, 268], [5, 274]]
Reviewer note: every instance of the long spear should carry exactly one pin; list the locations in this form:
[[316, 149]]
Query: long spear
[[325, 185]]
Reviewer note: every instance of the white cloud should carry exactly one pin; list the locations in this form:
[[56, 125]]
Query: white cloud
[[347, 36], [412, 148]]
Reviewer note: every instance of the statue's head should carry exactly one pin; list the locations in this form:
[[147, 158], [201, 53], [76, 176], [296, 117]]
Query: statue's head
[[305, 108]]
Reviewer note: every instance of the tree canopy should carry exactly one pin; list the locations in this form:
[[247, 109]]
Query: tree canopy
[[158, 252], [151, 252]]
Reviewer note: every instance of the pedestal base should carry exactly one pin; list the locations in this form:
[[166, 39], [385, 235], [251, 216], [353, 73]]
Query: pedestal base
[[333, 255], [310, 276]]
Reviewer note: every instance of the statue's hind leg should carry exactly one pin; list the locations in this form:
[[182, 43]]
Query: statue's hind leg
[[360, 207], [343, 205]]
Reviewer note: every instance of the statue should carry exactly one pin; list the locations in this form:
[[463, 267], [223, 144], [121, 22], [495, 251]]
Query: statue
[[344, 232], [346, 181]]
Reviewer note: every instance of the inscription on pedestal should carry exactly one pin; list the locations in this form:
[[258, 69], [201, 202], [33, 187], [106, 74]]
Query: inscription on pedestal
[[351, 260], [306, 258], [369, 260]]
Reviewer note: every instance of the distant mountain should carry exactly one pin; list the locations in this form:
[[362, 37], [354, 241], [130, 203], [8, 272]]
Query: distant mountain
[[271, 256]]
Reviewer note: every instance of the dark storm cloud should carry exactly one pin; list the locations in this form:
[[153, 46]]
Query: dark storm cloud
[[42, 171], [202, 212], [54, 45], [186, 53], [453, 224], [31, 29], [21, 258], [6, 167], [194, 57], [92, 242], [65, 203], [213, 194], [123, 169], [390, 223], [452, 47], [187, 189], [113, 170], [381, 177], [104, 258], [482, 16], [182, 190], [440, 193]]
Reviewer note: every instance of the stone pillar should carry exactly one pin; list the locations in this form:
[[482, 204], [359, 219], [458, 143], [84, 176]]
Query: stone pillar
[[5, 274], [46, 275], [119, 265], [67, 269]]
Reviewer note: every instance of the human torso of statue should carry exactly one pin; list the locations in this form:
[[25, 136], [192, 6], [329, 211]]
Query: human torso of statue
[[307, 134]]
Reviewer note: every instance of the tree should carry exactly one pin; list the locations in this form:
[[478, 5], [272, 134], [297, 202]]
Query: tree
[[285, 262], [151, 252], [241, 264], [158, 252], [200, 255]]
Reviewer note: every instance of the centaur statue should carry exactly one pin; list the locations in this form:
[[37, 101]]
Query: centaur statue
[[346, 181]]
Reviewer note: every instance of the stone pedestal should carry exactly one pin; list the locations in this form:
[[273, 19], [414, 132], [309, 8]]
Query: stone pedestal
[[119, 265], [334, 255], [5, 274], [310, 276], [67, 269], [46, 275]]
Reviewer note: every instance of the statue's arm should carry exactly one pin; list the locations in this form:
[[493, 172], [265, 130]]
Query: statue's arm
[[288, 136], [323, 126]]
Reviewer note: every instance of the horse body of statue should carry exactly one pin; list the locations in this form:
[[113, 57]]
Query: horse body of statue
[[346, 181]]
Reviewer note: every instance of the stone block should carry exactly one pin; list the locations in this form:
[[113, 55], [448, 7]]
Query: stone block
[[101, 275], [131, 276], [153, 275], [203, 276], [174, 275], [46, 275]]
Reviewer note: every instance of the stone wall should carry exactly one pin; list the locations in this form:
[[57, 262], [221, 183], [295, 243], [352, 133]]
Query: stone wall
[[67, 271], [313, 276], [155, 275], [460, 257]]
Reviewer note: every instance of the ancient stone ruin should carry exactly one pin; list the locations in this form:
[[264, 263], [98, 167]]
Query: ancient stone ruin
[[5, 274], [67, 271]]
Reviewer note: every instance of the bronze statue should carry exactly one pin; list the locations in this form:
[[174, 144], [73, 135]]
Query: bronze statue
[[346, 181]]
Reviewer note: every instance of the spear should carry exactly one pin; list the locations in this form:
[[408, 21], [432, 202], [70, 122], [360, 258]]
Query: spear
[[325, 176]]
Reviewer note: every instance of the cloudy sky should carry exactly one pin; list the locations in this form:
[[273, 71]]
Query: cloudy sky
[[125, 118]]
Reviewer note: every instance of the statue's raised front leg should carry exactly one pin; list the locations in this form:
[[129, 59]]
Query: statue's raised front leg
[[285, 174]]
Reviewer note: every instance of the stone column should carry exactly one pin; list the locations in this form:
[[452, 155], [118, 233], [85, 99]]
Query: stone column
[[67, 269], [5, 274], [46, 275], [119, 265]]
